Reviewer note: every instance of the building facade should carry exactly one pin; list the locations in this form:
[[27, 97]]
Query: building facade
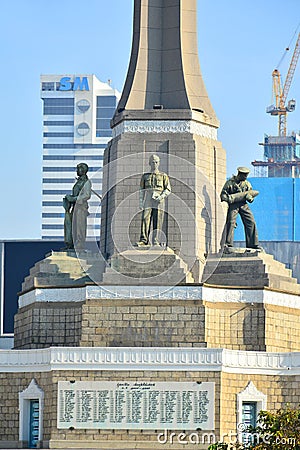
[[16, 258], [77, 110], [277, 215], [281, 157]]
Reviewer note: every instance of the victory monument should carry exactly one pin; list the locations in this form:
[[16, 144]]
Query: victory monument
[[158, 338]]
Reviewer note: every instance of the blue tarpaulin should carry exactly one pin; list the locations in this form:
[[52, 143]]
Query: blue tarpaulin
[[276, 209]]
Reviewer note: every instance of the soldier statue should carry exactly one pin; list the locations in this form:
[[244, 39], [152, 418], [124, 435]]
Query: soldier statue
[[154, 188], [237, 191], [76, 210]]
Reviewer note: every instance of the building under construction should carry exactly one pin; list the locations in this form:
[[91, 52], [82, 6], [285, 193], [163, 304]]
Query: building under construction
[[281, 157], [277, 178], [282, 152]]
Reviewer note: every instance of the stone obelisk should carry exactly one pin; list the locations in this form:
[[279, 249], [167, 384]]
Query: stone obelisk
[[165, 109]]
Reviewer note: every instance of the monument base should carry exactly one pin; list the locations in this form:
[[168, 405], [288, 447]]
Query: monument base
[[262, 319], [142, 336]]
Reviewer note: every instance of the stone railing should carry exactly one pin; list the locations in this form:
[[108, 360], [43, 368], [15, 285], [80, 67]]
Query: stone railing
[[165, 359]]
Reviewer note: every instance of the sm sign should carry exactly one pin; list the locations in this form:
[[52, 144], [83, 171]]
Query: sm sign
[[79, 84]]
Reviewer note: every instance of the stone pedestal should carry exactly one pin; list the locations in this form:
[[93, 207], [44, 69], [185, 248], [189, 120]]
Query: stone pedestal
[[249, 269], [147, 266], [65, 268]]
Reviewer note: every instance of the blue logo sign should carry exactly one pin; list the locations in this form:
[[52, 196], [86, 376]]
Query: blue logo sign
[[79, 84]]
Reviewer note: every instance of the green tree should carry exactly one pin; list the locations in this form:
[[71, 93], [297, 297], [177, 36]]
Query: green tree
[[279, 430]]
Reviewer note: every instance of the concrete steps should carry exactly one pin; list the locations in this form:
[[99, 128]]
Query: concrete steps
[[63, 269], [246, 268], [150, 266], [137, 267]]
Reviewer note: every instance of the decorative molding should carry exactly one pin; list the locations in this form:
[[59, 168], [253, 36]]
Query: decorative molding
[[204, 130], [264, 296], [33, 391], [165, 126], [53, 295], [209, 294], [145, 292], [281, 299], [79, 294], [251, 393], [143, 358]]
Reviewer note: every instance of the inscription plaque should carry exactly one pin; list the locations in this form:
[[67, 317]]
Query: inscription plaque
[[135, 405]]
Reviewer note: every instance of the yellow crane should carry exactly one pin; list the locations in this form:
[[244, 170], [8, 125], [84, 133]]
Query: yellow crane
[[280, 94]]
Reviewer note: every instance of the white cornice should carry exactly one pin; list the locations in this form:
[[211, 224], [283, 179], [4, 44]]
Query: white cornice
[[189, 292], [165, 126], [149, 359]]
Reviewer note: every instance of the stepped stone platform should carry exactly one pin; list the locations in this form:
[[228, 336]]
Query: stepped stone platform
[[78, 311], [147, 266], [65, 268], [147, 297], [244, 268]]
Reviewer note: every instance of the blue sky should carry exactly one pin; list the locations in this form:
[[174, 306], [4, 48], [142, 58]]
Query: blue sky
[[240, 43]]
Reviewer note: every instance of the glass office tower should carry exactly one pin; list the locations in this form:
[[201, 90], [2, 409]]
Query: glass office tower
[[76, 128]]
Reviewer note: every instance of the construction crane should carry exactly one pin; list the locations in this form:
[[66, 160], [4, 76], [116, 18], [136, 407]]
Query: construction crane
[[280, 94]]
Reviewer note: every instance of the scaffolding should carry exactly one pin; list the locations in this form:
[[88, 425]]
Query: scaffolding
[[281, 157]]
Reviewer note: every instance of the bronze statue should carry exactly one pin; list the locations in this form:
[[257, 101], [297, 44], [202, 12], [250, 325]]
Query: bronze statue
[[154, 188], [237, 191], [76, 210]]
